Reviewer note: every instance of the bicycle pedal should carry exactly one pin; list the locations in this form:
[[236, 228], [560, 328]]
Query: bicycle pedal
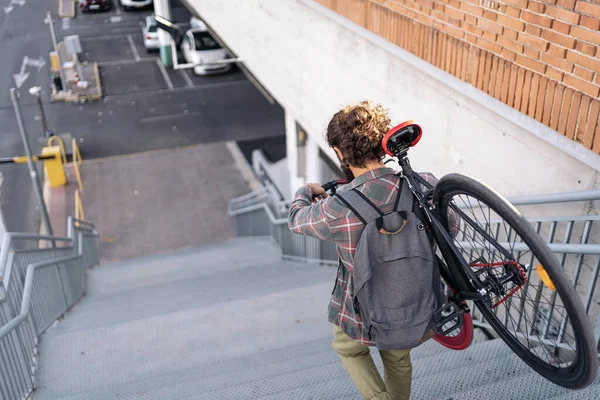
[[441, 325], [457, 325], [451, 312]]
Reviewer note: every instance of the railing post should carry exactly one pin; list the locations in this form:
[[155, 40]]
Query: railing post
[[62, 286], [3, 295]]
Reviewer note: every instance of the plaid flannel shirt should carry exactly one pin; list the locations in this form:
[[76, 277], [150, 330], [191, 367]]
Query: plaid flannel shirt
[[331, 220]]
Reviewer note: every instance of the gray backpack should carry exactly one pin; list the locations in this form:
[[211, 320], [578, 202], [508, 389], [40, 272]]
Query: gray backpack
[[397, 285]]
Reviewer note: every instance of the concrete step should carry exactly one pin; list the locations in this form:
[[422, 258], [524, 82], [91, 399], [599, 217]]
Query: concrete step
[[103, 356], [429, 377], [527, 385], [231, 379], [276, 372], [285, 381], [265, 373], [589, 393], [233, 321], [191, 292], [108, 279], [445, 376]]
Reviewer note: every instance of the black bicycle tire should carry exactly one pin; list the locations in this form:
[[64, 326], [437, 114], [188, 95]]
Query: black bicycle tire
[[583, 371]]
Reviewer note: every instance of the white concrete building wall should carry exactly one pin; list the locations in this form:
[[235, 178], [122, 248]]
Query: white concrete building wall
[[314, 61]]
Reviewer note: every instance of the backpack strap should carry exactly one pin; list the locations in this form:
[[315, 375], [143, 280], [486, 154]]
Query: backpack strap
[[404, 200], [360, 205]]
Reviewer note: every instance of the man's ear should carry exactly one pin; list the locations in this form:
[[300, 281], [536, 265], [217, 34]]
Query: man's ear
[[339, 153]]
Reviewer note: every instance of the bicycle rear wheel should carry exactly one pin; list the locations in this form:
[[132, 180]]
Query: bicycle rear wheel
[[535, 310]]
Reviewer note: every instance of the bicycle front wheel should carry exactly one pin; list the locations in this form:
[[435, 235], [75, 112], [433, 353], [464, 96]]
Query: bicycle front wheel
[[530, 302]]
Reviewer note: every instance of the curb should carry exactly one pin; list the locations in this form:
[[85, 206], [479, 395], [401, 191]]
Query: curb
[[98, 95]]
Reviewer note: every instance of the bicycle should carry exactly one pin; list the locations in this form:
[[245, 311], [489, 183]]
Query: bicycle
[[496, 282]]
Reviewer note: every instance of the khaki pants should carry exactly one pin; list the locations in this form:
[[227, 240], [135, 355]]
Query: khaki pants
[[357, 360]]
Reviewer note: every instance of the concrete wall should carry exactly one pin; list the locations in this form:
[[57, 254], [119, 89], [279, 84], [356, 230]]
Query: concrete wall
[[313, 62], [2, 226]]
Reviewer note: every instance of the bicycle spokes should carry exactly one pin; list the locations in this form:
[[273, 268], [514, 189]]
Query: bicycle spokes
[[521, 296]]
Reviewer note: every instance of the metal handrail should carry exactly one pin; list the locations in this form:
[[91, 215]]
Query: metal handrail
[[569, 237], [47, 282], [26, 301], [550, 198], [263, 168], [79, 212], [9, 238], [77, 161], [554, 198], [570, 248]]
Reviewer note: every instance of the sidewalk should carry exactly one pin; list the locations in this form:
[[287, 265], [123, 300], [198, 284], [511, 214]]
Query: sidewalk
[[147, 203], [66, 8]]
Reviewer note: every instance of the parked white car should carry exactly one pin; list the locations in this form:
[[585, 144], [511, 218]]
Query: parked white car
[[150, 32], [196, 23], [131, 4], [199, 47]]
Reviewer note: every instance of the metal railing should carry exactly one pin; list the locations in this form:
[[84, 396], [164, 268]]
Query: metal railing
[[573, 239], [267, 174], [37, 286], [61, 144], [79, 212], [77, 161]]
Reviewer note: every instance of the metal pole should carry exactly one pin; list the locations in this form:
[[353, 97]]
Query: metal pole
[[44, 122], [32, 169], [60, 67]]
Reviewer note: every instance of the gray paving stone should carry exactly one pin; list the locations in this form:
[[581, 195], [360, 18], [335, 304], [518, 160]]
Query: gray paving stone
[[152, 202]]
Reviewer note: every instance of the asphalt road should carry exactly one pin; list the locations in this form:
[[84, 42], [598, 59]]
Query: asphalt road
[[145, 107], [23, 35]]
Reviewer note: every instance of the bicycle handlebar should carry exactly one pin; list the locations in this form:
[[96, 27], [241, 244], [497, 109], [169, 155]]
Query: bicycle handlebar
[[333, 184]]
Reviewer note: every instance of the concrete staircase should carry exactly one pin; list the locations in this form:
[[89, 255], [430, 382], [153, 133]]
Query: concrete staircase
[[233, 321]]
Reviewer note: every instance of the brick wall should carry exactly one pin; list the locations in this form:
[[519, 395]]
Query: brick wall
[[539, 57]]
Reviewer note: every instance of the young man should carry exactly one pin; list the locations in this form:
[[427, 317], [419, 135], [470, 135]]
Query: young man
[[355, 134]]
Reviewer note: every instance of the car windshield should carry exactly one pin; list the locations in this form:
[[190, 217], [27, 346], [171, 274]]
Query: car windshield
[[203, 41], [151, 24]]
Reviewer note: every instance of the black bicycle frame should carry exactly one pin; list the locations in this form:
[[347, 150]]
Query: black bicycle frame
[[453, 273]]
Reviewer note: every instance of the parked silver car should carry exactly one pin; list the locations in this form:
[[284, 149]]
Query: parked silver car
[[150, 32]]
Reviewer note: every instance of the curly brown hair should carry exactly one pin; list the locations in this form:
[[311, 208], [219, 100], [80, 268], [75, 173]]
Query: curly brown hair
[[357, 130]]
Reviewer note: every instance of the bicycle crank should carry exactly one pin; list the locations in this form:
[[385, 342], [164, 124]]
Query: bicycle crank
[[495, 277]]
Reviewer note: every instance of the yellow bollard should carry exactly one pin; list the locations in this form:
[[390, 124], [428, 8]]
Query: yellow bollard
[[54, 167]]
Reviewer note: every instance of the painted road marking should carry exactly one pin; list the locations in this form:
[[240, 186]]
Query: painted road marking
[[12, 4], [164, 73], [124, 62], [156, 92], [149, 120], [22, 76], [133, 49], [186, 77]]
